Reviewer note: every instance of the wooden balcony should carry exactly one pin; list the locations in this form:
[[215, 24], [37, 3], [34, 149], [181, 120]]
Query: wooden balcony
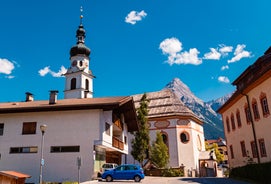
[[117, 143]]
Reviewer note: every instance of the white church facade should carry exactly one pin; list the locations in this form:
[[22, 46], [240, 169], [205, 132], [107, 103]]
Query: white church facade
[[181, 129]]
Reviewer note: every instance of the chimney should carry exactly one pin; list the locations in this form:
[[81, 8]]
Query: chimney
[[29, 97], [53, 97]]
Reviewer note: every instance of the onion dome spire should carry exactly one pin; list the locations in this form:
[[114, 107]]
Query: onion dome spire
[[80, 47]]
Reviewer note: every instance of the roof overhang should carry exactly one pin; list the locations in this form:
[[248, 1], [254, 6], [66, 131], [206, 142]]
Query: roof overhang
[[124, 105], [14, 174]]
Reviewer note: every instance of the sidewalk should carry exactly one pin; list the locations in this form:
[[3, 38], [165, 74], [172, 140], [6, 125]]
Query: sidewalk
[[174, 180], [89, 182]]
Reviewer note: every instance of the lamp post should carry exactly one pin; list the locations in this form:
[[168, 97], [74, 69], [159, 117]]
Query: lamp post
[[42, 129]]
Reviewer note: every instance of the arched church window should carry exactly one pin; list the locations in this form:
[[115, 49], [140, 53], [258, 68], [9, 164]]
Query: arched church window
[[184, 137], [165, 138], [73, 83], [81, 63], [87, 84]]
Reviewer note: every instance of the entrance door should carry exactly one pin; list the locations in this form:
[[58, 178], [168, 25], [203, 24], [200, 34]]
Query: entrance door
[[113, 157]]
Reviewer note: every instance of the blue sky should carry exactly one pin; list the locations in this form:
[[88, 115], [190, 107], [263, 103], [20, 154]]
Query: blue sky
[[137, 46]]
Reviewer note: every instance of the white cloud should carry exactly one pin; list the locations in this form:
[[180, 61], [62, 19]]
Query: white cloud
[[213, 55], [44, 71], [60, 73], [133, 17], [173, 47], [47, 70], [223, 79], [239, 53], [216, 54], [6, 66], [225, 67], [185, 57], [224, 50]]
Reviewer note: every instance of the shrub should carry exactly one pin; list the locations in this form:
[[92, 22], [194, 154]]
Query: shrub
[[172, 172]]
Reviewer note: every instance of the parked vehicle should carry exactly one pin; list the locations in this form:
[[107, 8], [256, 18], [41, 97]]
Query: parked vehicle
[[124, 172], [106, 167]]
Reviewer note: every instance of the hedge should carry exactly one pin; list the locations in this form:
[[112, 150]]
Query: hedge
[[256, 172]]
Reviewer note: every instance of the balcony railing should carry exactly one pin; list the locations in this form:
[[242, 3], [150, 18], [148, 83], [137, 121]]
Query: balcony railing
[[117, 143]]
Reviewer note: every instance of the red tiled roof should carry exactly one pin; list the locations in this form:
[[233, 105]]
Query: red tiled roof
[[68, 104], [124, 103]]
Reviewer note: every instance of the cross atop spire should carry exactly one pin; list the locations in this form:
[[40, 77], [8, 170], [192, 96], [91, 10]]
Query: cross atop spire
[[81, 14]]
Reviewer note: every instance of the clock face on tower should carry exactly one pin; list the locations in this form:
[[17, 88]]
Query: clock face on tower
[[74, 63], [79, 64]]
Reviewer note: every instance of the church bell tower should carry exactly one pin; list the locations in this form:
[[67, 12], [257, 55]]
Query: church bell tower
[[79, 78]]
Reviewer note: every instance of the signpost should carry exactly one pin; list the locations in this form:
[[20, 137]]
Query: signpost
[[79, 163]]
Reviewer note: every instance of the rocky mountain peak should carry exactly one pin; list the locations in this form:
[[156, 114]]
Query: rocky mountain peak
[[213, 127], [183, 91]]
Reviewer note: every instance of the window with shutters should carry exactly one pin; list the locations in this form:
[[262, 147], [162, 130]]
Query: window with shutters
[[228, 124], [29, 128], [238, 118], [262, 148], [255, 110], [264, 105], [231, 152], [232, 122], [253, 149], [248, 115], [243, 148]]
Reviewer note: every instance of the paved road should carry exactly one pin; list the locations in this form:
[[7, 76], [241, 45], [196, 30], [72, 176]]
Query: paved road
[[176, 180]]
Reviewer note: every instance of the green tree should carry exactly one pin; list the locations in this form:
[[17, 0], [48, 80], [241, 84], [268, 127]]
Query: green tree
[[159, 151], [140, 143], [214, 147]]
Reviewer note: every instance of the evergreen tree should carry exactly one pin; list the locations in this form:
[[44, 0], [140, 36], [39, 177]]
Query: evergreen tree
[[140, 143], [159, 151]]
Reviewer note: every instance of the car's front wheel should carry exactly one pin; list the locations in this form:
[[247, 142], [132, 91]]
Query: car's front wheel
[[108, 178], [137, 178]]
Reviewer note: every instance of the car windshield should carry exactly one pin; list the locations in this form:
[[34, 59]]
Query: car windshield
[[108, 166]]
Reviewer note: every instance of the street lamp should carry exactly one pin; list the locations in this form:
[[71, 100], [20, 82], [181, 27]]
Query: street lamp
[[42, 129]]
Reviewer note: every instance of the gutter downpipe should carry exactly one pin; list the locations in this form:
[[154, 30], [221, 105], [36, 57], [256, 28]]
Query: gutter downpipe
[[253, 128]]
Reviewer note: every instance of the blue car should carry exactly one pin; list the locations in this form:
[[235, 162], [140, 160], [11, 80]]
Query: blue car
[[124, 172]]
